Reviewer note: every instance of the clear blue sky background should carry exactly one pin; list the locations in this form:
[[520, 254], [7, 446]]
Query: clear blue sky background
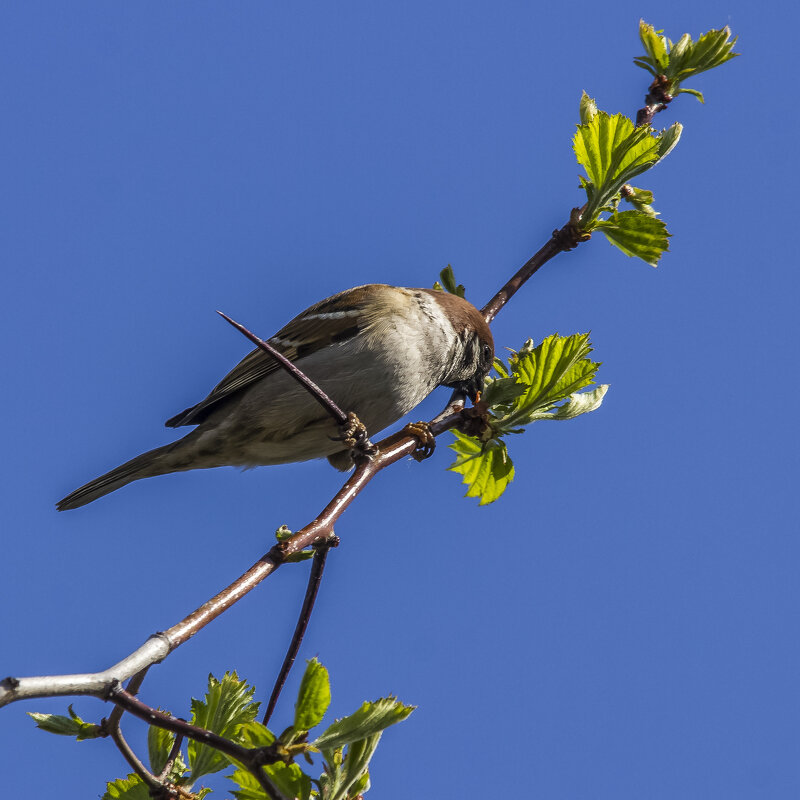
[[623, 623]]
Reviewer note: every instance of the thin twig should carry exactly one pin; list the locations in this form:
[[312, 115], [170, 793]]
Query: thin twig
[[542, 256], [173, 754], [326, 402], [153, 716], [134, 684], [657, 99], [133, 760], [159, 646], [273, 792], [111, 726], [314, 579]]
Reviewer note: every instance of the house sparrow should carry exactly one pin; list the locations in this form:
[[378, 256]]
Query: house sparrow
[[376, 350]]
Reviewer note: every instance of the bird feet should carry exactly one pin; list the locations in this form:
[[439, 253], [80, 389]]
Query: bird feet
[[421, 431], [353, 434]]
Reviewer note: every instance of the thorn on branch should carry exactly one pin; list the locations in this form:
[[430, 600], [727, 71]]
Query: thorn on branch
[[326, 402], [321, 548]]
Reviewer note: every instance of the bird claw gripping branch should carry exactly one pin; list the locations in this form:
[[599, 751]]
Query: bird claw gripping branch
[[353, 434], [422, 432]]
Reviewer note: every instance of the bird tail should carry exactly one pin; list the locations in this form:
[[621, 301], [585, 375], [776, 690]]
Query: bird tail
[[153, 462]]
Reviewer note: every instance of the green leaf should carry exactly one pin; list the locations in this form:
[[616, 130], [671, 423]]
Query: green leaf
[[647, 64], [637, 234], [640, 199], [288, 778], [448, 282], [72, 725], [552, 371], [587, 108], [300, 555], [370, 719], [485, 469], [546, 375], [613, 152], [159, 746], [577, 404], [361, 786], [313, 698], [354, 768], [668, 139], [227, 705], [249, 787], [130, 788], [255, 734], [501, 391], [694, 92], [283, 533], [655, 46], [685, 58], [688, 58]]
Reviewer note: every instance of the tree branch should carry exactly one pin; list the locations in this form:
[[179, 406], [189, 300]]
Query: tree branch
[[314, 579], [323, 399], [252, 757], [657, 99]]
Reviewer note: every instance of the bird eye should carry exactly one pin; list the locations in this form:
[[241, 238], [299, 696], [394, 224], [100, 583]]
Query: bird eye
[[487, 353]]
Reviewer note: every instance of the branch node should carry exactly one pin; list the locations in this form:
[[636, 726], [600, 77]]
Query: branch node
[[657, 99], [475, 420], [571, 235]]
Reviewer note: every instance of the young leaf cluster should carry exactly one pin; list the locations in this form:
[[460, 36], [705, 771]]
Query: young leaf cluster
[[685, 58], [346, 745], [228, 709], [72, 725], [613, 151], [542, 382], [447, 282]]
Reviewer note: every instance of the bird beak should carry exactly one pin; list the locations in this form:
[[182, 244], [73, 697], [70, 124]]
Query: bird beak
[[472, 388]]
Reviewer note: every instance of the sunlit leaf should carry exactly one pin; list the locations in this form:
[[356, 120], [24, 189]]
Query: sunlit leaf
[[72, 725], [548, 379], [130, 788], [227, 705], [485, 469], [313, 698], [289, 779], [637, 234], [448, 282], [577, 404], [613, 152], [685, 58], [370, 719], [354, 767], [587, 108]]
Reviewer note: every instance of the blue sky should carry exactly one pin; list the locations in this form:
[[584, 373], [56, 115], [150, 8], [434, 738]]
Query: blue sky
[[623, 622]]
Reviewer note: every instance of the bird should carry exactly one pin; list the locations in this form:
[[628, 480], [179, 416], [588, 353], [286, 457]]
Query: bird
[[376, 350]]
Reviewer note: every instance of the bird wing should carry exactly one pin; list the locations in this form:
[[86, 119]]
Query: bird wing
[[319, 326]]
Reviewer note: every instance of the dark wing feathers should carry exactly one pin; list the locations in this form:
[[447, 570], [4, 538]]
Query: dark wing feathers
[[317, 327], [252, 367]]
